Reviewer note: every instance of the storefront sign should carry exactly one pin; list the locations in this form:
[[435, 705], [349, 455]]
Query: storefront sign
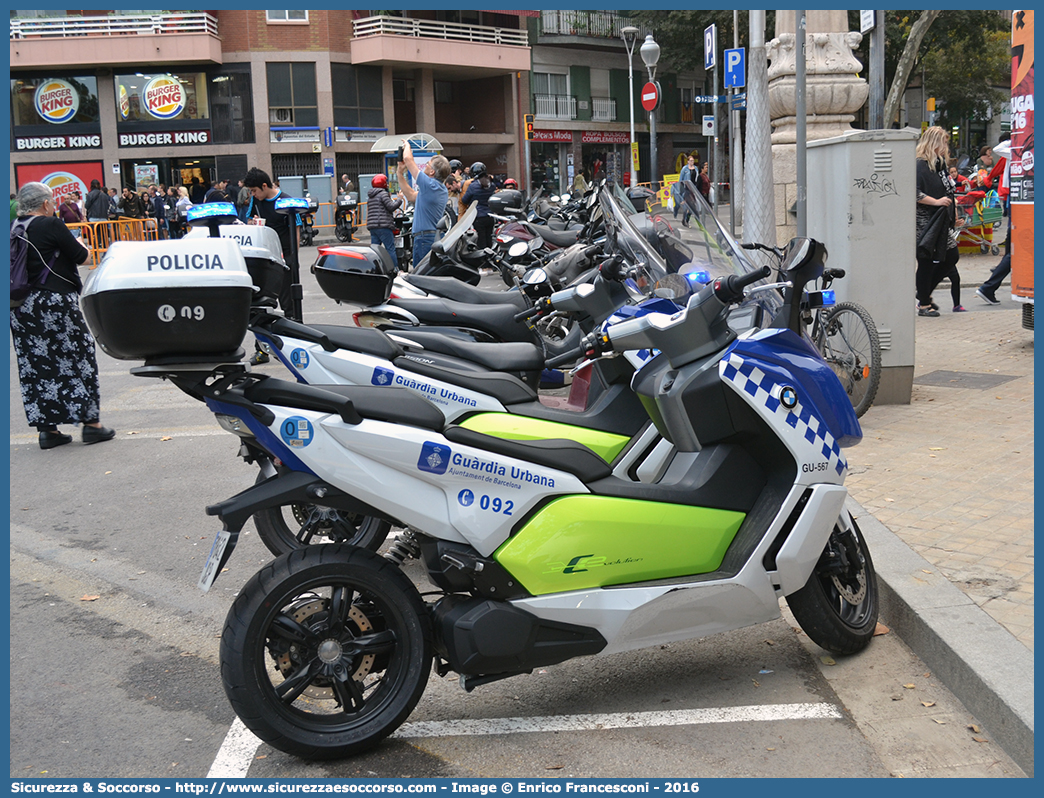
[[124, 102], [163, 97], [56, 101], [61, 178], [145, 175], [605, 137], [24, 143], [159, 139], [294, 134], [553, 135], [357, 135]]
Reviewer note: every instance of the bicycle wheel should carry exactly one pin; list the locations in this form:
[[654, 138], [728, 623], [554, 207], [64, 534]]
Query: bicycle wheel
[[849, 343]]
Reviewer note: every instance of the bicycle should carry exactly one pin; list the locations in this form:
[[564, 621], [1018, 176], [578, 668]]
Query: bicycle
[[844, 333]]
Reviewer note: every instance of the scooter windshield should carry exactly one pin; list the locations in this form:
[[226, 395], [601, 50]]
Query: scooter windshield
[[625, 240], [464, 223]]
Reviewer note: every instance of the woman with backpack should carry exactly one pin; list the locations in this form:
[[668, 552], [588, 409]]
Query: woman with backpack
[[57, 368]]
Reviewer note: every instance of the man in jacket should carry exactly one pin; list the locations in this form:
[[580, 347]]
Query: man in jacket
[[380, 208], [131, 205], [97, 203]]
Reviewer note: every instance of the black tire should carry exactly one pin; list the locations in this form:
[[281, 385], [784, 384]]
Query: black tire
[[296, 622], [343, 232], [837, 608], [849, 343], [296, 526], [307, 234]]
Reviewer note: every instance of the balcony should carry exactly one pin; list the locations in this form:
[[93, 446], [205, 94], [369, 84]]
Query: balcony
[[189, 37], [592, 24], [415, 43], [555, 106], [603, 109]]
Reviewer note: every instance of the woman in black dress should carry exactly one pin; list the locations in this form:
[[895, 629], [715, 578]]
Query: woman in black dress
[[57, 368], [936, 233]]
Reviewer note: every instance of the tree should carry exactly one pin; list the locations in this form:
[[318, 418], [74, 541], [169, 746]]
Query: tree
[[907, 60]]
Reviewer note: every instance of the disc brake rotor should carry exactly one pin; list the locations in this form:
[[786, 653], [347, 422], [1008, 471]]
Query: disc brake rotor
[[312, 613], [846, 591]]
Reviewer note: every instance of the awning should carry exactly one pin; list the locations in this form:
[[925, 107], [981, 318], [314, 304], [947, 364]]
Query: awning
[[418, 141]]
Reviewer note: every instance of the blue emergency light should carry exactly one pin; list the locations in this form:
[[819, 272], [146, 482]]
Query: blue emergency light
[[210, 210], [698, 277], [286, 204]]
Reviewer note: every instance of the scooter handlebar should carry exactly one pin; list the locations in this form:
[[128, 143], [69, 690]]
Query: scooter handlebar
[[529, 313], [568, 357]]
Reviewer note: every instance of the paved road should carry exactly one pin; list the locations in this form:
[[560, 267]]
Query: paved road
[[114, 650]]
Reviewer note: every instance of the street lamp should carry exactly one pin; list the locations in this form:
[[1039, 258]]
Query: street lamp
[[630, 35], [650, 51]]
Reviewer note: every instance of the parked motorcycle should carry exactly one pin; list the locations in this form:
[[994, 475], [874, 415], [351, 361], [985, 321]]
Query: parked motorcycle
[[344, 217], [307, 218]]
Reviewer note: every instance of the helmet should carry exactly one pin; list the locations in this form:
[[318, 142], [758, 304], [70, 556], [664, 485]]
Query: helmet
[[511, 183], [380, 181], [456, 165], [478, 169]]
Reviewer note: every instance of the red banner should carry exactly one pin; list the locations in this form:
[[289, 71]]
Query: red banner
[[553, 135], [62, 177]]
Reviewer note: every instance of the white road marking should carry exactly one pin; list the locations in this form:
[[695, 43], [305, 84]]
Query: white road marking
[[237, 751]]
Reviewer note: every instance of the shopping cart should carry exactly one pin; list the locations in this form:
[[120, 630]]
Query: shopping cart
[[978, 215]]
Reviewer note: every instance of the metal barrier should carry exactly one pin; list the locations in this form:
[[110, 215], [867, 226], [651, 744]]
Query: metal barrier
[[99, 235]]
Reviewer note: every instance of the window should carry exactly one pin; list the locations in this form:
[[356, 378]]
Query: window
[[550, 83], [358, 96], [286, 16], [231, 102], [443, 91], [402, 91], [54, 100], [292, 98]]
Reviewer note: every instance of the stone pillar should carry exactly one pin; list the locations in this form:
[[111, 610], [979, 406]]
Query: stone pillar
[[833, 91]]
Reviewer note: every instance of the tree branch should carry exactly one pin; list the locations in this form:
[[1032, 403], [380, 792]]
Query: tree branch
[[907, 62]]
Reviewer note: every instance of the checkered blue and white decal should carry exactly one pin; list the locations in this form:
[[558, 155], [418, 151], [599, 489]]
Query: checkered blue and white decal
[[763, 390]]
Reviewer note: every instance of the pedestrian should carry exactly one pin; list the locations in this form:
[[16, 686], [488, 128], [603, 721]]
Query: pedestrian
[[197, 191], [580, 183], [703, 184], [80, 204], [987, 292], [57, 367], [14, 208], [347, 186], [69, 213], [242, 201], [429, 197], [960, 182], [114, 204], [380, 210], [936, 236], [261, 210], [131, 205], [170, 208], [216, 193], [181, 208], [159, 210], [480, 190], [97, 203], [688, 173]]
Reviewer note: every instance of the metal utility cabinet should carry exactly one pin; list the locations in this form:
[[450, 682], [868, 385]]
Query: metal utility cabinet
[[861, 197]]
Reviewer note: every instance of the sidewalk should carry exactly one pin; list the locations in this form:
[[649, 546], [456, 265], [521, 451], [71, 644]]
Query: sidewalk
[[949, 478]]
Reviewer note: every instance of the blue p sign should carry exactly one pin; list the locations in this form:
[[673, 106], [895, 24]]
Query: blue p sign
[[710, 46], [735, 68]]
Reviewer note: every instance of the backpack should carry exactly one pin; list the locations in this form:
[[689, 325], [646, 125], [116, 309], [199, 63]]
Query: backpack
[[21, 285]]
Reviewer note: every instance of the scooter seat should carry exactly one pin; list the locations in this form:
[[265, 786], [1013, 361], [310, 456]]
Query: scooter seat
[[511, 357], [495, 320], [505, 388], [563, 455], [366, 340], [558, 238], [458, 291], [352, 403]]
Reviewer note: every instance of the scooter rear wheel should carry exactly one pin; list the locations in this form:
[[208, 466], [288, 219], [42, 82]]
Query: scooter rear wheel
[[343, 232], [837, 608], [296, 526], [326, 651]]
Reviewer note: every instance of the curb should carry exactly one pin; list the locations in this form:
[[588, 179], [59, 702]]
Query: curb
[[977, 659]]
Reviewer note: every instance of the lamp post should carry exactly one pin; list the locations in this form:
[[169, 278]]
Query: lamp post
[[650, 51], [629, 35]]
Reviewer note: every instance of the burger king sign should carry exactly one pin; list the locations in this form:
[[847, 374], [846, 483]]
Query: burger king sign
[[56, 101], [62, 184], [163, 97]]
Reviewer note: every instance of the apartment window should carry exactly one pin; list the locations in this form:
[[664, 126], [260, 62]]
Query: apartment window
[[443, 91], [292, 98], [402, 91], [358, 97], [286, 16], [232, 105], [550, 83]]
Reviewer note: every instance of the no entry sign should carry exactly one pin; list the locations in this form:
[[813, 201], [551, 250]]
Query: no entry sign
[[650, 96]]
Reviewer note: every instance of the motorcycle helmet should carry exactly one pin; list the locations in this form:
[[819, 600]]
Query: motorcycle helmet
[[511, 183], [456, 166], [478, 169], [380, 181]]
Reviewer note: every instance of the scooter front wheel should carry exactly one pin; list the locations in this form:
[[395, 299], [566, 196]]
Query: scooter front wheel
[[296, 526], [326, 651], [837, 608], [343, 232]]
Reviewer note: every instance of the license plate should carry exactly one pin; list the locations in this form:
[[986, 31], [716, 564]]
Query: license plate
[[398, 241], [210, 569]]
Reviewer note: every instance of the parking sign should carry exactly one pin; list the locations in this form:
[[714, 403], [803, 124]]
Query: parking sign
[[735, 68], [710, 47]]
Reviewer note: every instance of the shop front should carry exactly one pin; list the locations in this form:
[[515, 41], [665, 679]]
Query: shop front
[[549, 156], [54, 113], [604, 154]]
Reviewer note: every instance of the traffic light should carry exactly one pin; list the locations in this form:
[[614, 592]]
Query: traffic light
[[527, 120]]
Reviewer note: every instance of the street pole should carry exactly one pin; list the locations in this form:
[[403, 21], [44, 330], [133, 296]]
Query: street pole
[[715, 164], [759, 223], [802, 169], [650, 53], [877, 83], [736, 183], [630, 35]]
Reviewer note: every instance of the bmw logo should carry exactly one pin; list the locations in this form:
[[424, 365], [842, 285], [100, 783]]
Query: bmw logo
[[788, 397]]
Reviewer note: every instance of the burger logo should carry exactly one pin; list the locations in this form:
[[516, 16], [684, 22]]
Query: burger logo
[[56, 100], [163, 97], [124, 102], [62, 184]]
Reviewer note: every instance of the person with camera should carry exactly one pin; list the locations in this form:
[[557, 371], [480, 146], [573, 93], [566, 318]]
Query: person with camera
[[428, 197]]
